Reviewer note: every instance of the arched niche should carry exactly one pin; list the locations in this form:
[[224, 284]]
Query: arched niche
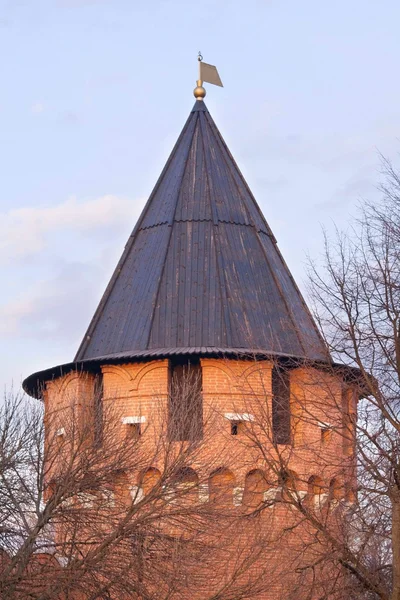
[[290, 485], [336, 491], [186, 476], [316, 486], [255, 486], [186, 484], [221, 484], [289, 479], [148, 479]]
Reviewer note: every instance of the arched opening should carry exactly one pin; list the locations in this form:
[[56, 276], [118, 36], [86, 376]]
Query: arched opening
[[315, 486], [254, 487], [186, 482], [335, 489], [186, 476], [288, 480], [149, 479], [221, 484]]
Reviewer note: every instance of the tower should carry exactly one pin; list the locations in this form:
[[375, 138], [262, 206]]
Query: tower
[[202, 317]]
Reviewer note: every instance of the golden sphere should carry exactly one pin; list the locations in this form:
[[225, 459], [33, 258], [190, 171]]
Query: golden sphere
[[199, 92]]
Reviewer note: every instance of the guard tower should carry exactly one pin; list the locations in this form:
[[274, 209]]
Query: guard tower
[[202, 290]]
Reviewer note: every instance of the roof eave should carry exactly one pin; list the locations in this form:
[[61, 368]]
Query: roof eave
[[34, 384]]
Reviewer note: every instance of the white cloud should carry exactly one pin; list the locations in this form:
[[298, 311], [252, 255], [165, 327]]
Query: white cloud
[[26, 231], [52, 307], [12, 313]]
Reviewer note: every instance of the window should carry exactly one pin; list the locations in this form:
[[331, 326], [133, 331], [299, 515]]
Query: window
[[281, 429], [133, 431], [238, 422], [133, 426], [185, 420], [238, 427], [98, 410]]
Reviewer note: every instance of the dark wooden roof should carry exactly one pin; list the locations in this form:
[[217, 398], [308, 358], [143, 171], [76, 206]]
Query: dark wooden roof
[[201, 268]]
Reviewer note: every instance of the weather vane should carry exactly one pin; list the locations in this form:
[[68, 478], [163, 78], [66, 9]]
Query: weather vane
[[207, 73]]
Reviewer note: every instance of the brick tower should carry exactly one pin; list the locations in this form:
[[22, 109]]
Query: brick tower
[[202, 298]]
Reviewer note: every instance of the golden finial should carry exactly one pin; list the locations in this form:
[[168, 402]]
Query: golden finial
[[199, 92]]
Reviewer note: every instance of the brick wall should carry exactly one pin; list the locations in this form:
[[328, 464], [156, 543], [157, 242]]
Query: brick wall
[[234, 390]]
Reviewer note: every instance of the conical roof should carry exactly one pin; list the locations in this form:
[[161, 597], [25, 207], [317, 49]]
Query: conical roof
[[201, 271]]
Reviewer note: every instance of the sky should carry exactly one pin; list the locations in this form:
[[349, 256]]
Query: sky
[[94, 94]]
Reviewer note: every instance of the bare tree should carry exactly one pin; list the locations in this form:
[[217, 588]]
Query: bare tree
[[357, 301], [91, 509], [350, 516]]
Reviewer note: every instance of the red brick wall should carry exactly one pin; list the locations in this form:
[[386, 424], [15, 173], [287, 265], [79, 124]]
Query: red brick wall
[[235, 387]]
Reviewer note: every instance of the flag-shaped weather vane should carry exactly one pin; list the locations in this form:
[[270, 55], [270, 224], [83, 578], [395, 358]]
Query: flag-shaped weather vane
[[207, 73]]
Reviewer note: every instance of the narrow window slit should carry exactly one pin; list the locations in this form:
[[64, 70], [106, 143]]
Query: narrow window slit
[[281, 421], [185, 421], [98, 410]]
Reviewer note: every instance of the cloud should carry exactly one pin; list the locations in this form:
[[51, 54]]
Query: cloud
[[12, 313], [53, 308], [26, 231]]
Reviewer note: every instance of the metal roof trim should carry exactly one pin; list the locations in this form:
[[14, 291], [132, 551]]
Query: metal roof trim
[[34, 384]]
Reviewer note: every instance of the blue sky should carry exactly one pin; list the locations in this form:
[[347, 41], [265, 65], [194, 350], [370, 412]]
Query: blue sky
[[94, 95]]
